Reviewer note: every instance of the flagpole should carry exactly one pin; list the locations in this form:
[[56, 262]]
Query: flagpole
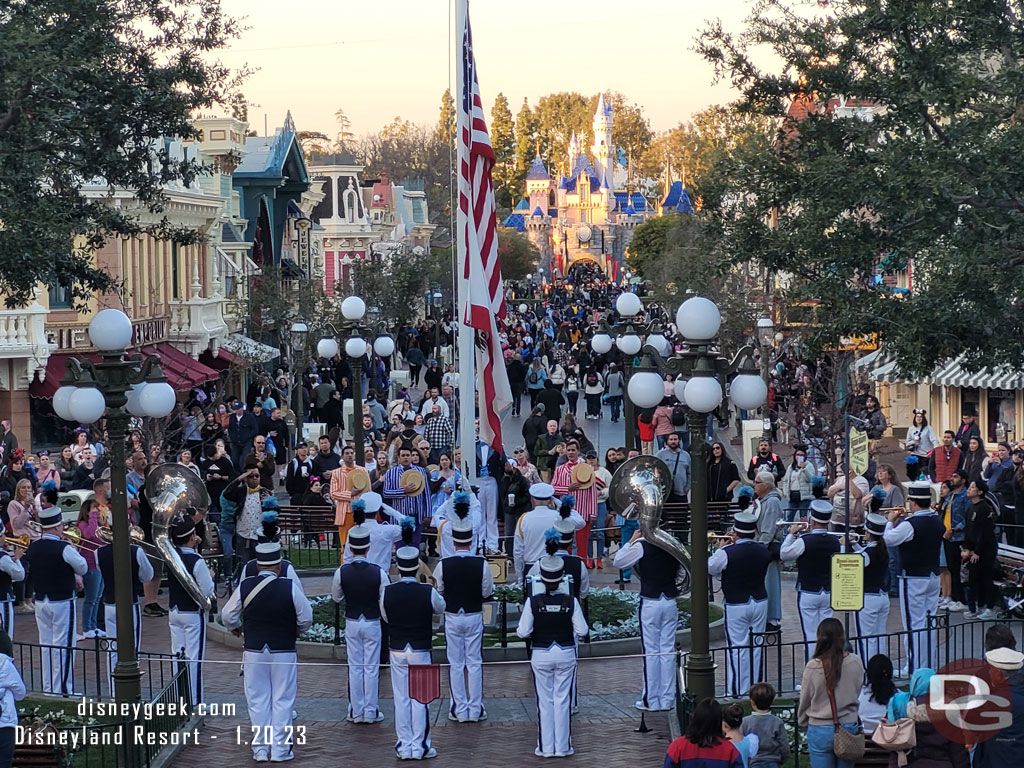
[[467, 355]]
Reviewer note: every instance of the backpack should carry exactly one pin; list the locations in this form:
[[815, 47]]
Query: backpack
[[591, 379], [534, 378], [678, 415]]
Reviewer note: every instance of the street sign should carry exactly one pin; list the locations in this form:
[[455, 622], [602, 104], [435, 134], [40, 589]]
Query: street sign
[[858, 452], [847, 582]]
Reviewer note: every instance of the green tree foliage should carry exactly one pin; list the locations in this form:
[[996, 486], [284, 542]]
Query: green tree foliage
[[446, 119], [313, 143], [527, 137], [649, 244], [396, 283], [343, 140], [87, 88], [927, 177], [631, 131], [517, 255], [558, 116], [503, 139]]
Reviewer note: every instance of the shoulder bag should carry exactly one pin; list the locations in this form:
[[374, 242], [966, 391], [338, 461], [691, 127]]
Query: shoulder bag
[[846, 745]]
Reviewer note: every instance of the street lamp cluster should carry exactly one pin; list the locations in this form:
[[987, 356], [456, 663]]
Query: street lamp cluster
[[353, 310], [703, 378], [119, 385]]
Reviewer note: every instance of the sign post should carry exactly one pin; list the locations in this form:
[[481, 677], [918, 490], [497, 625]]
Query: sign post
[[847, 582]]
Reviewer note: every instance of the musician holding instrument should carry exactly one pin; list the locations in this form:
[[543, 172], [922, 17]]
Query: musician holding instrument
[[742, 566], [11, 572], [813, 552], [55, 567], [871, 619], [405, 488], [919, 538], [348, 482], [528, 545], [187, 620]]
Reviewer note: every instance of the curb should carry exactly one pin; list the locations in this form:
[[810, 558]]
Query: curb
[[516, 650]]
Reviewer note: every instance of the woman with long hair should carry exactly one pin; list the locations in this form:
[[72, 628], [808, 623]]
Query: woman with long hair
[[796, 483], [20, 511], [723, 474], [703, 744], [65, 464], [88, 522], [829, 693], [974, 459], [980, 547], [921, 439], [877, 691]]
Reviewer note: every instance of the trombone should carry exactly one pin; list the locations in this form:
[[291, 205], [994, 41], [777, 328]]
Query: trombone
[[13, 543]]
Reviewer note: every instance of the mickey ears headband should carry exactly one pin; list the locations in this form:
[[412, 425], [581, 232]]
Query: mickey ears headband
[[921, 411]]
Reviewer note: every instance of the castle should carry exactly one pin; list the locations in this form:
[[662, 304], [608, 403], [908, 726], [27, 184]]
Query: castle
[[581, 218]]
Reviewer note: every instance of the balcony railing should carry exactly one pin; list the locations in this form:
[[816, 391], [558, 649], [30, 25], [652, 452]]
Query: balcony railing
[[23, 335]]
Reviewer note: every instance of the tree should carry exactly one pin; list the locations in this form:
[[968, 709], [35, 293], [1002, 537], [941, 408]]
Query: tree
[[649, 244], [559, 116], [503, 139], [517, 256], [446, 119], [397, 282], [631, 131], [344, 138], [898, 147], [313, 143], [87, 90], [526, 146]]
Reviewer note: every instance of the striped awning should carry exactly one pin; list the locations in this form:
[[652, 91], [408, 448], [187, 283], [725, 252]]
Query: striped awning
[[951, 374]]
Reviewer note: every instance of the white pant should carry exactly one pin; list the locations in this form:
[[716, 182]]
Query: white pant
[[488, 496], [7, 616], [362, 644], [871, 620], [412, 723], [740, 621], [554, 670], [814, 608], [659, 620], [919, 597], [270, 680], [464, 634], [56, 624], [188, 632], [110, 617]]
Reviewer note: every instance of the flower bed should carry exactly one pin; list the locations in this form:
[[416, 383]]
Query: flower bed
[[612, 615]]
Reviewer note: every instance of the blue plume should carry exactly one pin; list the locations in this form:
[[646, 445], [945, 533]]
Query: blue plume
[[817, 481], [358, 505], [551, 535], [408, 523], [460, 497], [746, 491], [49, 485], [878, 493], [269, 516], [270, 503], [569, 501]]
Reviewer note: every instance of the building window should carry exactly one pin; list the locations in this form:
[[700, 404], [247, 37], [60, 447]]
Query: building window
[[60, 297], [1002, 415], [175, 268]]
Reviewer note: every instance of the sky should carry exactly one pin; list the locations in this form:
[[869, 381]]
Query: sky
[[378, 59]]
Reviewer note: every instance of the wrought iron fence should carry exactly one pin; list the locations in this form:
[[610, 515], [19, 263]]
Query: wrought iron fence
[[85, 669]]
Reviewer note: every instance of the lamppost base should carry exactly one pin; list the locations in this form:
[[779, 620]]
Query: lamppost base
[[700, 676], [127, 682]]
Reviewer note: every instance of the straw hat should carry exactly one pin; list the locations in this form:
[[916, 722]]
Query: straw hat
[[583, 475], [359, 480], [414, 478]]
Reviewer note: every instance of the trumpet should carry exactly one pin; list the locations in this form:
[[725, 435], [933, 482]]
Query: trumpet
[[901, 515]]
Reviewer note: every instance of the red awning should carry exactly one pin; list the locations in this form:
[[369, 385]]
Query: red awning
[[55, 366], [181, 371]]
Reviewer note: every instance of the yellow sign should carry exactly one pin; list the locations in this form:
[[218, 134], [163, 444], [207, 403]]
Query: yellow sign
[[855, 343], [847, 582], [858, 452]]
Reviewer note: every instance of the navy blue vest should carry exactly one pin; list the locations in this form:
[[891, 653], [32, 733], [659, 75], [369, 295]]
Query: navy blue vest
[[744, 575], [463, 583], [410, 615], [814, 566], [360, 582], [269, 620], [657, 572], [552, 620], [573, 569], [177, 596], [105, 560], [920, 555], [52, 577], [6, 589], [876, 570]]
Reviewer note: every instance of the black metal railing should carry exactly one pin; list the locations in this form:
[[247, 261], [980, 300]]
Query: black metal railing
[[89, 671]]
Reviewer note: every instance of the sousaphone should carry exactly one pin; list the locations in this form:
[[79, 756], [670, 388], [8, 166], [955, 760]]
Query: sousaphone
[[637, 492], [175, 491]]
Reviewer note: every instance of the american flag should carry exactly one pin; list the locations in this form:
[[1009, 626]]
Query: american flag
[[478, 249]]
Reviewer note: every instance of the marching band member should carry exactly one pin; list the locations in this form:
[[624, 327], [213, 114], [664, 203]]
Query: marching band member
[[813, 554], [659, 618], [270, 612], [529, 544], [872, 617], [358, 583], [11, 571], [187, 621], [142, 571], [460, 504], [552, 619], [464, 581], [383, 536], [55, 567], [409, 607], [742, 567], [918, 538]]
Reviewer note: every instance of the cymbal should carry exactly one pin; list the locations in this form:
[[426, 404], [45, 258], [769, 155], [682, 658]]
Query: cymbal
[[414, 478]]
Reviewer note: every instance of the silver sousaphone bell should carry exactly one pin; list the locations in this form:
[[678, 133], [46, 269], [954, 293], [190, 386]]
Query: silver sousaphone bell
[[637, 492]]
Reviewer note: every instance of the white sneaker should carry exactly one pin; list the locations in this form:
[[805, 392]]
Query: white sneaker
[[261, 755], [970, 614], [943, 602], [988, 614], [289, 755], [956, 605], [378, 718], [429, 754], [98, 633]]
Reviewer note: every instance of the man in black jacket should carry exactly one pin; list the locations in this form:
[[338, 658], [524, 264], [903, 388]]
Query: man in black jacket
[[242, 428], [765, 459], [552, 399], [514, 499], [517, 381], [296, 480]]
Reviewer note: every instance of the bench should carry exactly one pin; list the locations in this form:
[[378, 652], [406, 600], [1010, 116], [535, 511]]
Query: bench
[[300, 519], [27, 756]]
